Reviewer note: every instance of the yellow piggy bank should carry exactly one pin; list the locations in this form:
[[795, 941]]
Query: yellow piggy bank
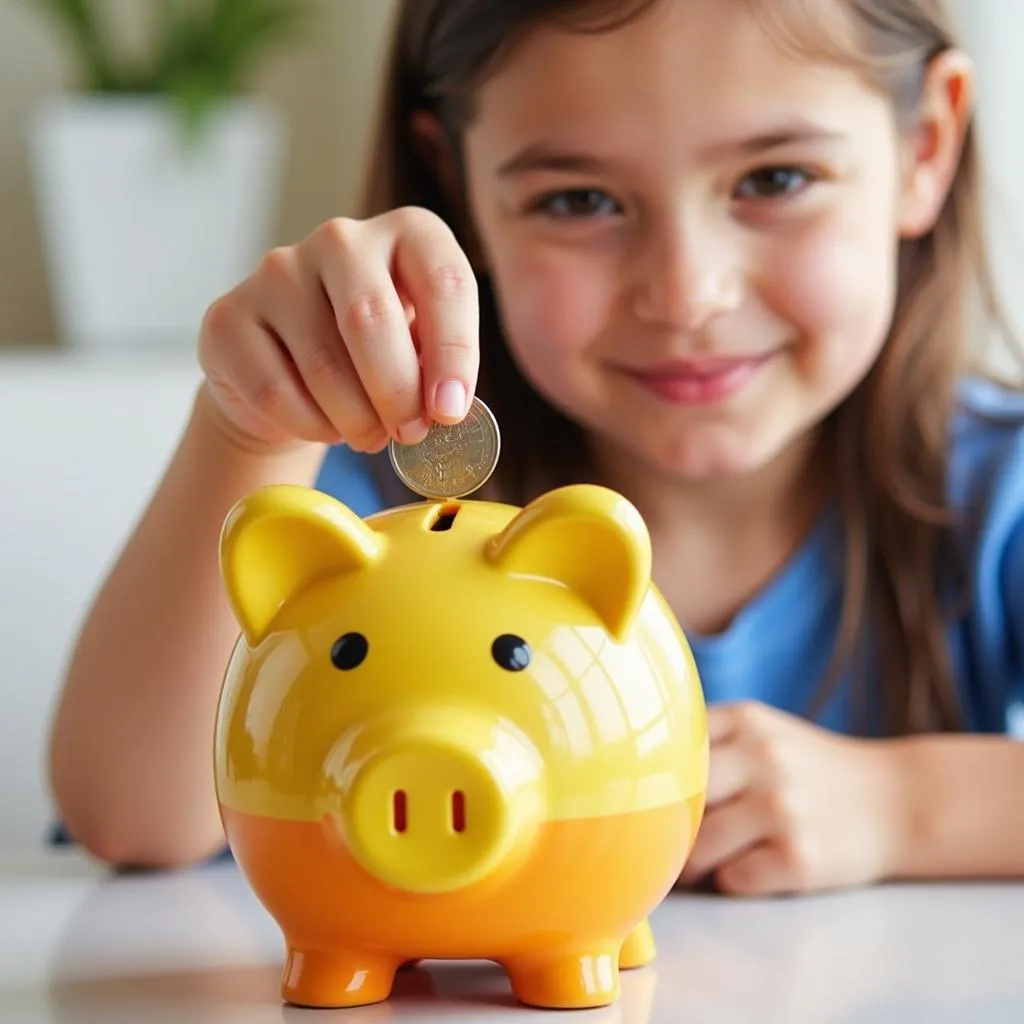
[[456, 730]]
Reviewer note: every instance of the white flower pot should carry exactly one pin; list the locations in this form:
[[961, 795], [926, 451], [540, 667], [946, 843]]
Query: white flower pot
[[141, 232]]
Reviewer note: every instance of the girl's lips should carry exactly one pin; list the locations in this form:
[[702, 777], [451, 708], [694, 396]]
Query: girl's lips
[[699, 382]]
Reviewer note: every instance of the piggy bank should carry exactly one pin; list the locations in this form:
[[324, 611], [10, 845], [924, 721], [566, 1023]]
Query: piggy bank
[[456, 730]]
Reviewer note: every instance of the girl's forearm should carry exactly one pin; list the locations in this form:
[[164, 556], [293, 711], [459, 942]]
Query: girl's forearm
[[961, 807], [130, 750]]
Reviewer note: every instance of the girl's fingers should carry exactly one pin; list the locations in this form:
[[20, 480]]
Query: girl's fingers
[[291, 298], [366, 330], [353, 263], [254, 378], [733, 769], [438, 279], [726, 832]]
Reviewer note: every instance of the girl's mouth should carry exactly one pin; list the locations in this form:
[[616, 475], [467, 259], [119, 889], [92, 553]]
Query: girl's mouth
[[699, 381]]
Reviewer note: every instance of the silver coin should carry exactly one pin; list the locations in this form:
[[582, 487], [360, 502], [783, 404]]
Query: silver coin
[[453, 460]]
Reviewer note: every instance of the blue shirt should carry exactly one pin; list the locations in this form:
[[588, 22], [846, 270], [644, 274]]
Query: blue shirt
[[777, 648]]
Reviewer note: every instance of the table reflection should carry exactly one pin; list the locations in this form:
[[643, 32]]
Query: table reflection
[[196, 947]]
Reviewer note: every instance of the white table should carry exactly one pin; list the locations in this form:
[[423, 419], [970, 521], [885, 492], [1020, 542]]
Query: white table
[[77, 945]]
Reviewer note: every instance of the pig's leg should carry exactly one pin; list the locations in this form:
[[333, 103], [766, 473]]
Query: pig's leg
[[332, 978], [639, 949], [567, 979]]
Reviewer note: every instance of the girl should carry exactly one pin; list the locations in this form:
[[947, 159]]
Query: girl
[[714, 254]]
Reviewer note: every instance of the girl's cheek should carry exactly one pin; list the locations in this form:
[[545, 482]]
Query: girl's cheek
[[554, 308], [836, 291]]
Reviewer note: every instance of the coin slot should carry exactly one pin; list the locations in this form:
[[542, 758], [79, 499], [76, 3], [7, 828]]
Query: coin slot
[[445, 517]]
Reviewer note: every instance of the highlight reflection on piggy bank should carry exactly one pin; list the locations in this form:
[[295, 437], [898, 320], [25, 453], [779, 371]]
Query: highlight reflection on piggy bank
[[456, 730]]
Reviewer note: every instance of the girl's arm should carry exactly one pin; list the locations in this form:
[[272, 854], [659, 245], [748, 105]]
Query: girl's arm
[[130, 754], [962, 807]]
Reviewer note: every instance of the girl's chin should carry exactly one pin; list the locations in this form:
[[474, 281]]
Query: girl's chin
[[704, 456]]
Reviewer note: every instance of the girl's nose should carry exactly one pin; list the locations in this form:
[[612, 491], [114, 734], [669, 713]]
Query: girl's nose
[[688, 276]]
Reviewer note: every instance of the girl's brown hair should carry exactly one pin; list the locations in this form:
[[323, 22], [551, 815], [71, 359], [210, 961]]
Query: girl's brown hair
[[888, 440]]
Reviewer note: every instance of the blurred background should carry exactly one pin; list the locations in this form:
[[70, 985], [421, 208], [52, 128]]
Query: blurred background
[[316, 71], [121, 218]]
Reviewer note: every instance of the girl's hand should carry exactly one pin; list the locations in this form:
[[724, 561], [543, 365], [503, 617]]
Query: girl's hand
[[365, 330], [791, 807]]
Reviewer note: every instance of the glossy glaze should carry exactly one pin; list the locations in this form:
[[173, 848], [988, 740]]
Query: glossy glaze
[[456, 730]]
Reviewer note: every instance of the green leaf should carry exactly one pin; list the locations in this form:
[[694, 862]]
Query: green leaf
[[81, 26], [201, 52]]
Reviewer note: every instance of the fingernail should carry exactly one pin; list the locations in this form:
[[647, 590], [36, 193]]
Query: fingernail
[[413, 432], [450, 399]]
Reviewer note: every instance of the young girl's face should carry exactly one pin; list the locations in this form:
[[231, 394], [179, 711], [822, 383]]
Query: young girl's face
[[692, 234]]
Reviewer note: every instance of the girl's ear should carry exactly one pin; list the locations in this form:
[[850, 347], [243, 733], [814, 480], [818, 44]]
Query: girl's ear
[[936, 142], [434, 149]]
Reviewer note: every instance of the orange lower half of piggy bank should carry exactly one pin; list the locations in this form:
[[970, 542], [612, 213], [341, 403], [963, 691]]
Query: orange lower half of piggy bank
[[561, 919]]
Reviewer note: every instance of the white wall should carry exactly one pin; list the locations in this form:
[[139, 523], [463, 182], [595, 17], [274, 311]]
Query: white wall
[[993, 34], [82, 442]]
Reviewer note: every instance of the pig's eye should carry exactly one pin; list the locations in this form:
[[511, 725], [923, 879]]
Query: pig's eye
[[511, 652], [349, 651]]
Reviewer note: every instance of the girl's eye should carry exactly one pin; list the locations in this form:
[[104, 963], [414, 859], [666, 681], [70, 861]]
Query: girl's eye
[[578, 202], [771, 182]]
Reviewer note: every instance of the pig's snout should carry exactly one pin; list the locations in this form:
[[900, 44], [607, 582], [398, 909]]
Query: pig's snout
[[435, 801]]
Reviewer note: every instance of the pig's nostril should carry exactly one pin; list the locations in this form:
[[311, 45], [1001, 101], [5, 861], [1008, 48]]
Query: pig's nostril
[[399, 811], [458, 811]]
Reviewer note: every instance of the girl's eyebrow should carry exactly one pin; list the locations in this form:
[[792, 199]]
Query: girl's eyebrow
[[786, 133], [543, 156]]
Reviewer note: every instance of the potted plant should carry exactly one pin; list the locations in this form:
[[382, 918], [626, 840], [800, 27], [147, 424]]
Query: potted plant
[[156, 176]]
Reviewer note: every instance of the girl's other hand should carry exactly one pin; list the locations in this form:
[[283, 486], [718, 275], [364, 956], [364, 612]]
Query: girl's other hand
[[791, 807], [365, 330]]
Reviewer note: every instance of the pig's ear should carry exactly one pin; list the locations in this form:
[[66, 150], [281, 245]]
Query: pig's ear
[[279, 540], [587, 538]]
